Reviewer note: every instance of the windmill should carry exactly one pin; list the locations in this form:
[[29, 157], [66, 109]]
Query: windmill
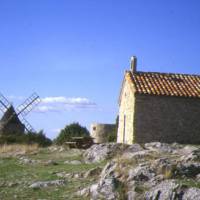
[[13, 120]]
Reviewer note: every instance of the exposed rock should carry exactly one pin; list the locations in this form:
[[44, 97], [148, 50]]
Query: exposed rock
[[188, 149], [141, 174], [164, 191], [154, 181], [85, 192], [78, 175], [137, 155], [198, 177], [192, 193], [144, 173], [105, 189], [24, 160], [70, 175], [56, 148], [93, 172], [109, 170], [188, 169], [194, 155], [100, 152], [73, 162], [41, 184], [160, 147], [133, 195], [50, 162], [134, 148], [165, 166], [64, 175]]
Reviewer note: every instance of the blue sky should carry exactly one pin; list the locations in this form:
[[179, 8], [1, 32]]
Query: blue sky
[[73, 53]]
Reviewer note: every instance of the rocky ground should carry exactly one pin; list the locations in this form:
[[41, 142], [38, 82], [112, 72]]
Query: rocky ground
[[153, 171], [45, 174]]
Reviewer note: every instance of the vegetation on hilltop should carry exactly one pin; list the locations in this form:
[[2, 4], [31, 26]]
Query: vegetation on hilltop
[[71, 130], [26, 138]]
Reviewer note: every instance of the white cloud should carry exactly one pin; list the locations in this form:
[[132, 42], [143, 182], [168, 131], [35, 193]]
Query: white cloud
[[44, 108], [60, 103], [69, 101]]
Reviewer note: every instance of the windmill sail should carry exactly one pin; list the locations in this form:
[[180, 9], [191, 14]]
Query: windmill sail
[[13, 120], [28, 105], [27, 125], [4, 103]]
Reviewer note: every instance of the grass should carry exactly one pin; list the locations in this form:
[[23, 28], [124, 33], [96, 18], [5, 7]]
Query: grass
[[14, 148], [189, 183], [22, 175]]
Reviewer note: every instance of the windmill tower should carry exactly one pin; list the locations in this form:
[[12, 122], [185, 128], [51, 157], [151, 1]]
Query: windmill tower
[[13, 120]]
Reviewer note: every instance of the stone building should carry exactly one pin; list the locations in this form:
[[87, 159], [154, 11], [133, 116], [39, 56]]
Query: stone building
[[100, 132], [10, 123], [162, 107]]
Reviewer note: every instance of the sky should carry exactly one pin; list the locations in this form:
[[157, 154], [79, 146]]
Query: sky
[[74, 53]]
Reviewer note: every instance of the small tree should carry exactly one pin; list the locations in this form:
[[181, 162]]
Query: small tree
[[26, 138], [71, 130], [38, 138], [112, 137]]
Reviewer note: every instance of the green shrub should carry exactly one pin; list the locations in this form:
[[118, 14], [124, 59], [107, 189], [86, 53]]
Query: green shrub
[[112, 137], [26, 138], [37, 138], [71, 130]]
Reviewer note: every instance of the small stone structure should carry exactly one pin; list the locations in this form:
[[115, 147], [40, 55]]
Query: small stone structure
[[100, 132], [162, 107], [10, 123]]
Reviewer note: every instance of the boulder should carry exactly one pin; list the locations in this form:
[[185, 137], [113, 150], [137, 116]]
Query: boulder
[[50, 162], [164, 191], [93, 172], [190, 170], [24, 160], [131, 195], [100, 152], [73, 162], [140, 155], [85, 192], [160, 147], [105, 189], [109, 170], [141, 173], [191, 193], [42, 184], [134, 148]]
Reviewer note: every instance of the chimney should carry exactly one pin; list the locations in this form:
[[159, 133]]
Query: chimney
[[133, 64]]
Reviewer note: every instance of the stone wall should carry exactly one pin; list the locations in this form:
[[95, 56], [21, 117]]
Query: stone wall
[[100, 132], [166, 119], [126, 113]]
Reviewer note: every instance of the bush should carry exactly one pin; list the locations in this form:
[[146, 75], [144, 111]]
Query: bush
[[26, 138], [72, 130], [37, 138], [112, 137]]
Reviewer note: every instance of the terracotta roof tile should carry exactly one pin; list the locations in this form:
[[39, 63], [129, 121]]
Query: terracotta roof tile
[[168, 84]]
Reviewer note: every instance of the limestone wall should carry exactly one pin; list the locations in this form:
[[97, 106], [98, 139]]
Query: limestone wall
[[100, 132], [126, 113], [166, 119]]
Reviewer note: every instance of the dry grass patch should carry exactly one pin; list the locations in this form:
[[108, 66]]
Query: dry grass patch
[[18, 148]]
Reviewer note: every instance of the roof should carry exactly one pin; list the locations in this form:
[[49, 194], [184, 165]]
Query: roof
[[11, 115], [165, 84]]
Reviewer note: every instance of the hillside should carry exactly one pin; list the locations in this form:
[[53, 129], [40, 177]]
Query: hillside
[[106, 171]]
